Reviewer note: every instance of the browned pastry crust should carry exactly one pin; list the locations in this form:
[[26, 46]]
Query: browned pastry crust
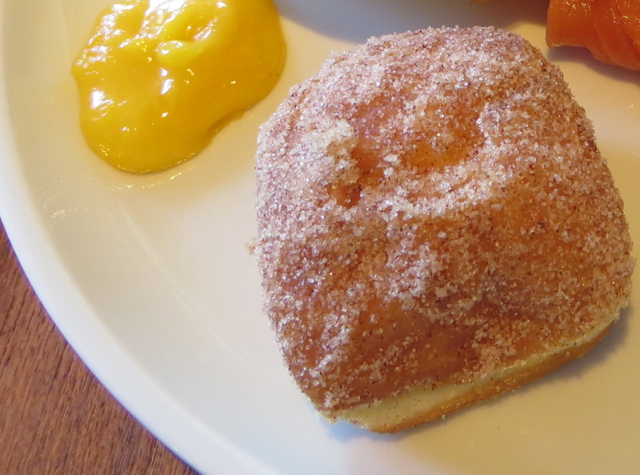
[[435, 219]]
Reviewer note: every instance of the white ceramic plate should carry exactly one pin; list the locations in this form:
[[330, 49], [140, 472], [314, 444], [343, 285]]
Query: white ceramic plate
[[149, 279]]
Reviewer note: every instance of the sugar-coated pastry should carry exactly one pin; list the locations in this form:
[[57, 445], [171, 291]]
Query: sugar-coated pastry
[[436, 226]]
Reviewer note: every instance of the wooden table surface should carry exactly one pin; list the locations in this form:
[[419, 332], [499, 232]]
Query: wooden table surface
[[55, 418]]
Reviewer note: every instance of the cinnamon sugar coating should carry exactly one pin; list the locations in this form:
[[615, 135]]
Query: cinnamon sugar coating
[[432, 207]]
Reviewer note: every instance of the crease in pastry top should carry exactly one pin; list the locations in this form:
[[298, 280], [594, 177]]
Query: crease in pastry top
[[436, 226]]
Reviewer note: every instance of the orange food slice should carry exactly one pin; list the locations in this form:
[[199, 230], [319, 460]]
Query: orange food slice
[[611, 42], [569, 23], [610, 29], [630, 16]]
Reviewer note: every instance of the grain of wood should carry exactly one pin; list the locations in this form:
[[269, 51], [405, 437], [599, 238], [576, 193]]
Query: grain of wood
[[55, 417]]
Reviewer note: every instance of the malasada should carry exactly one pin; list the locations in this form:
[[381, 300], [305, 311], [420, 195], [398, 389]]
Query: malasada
[[436, 226]]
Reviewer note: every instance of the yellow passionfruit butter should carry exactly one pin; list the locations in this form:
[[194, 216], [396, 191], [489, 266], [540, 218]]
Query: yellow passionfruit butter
[[157, 78]]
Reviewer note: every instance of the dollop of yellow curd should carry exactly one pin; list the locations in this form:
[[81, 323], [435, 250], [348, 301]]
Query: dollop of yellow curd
[[158, 78]]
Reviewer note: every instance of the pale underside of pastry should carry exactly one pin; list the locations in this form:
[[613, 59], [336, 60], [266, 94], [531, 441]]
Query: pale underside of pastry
[[425, 403]]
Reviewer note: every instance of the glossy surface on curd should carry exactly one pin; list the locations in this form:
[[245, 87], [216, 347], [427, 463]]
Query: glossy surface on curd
[[157, 79]]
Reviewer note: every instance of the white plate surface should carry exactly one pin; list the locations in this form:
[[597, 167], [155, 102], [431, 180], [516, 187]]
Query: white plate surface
[[149, 279]]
